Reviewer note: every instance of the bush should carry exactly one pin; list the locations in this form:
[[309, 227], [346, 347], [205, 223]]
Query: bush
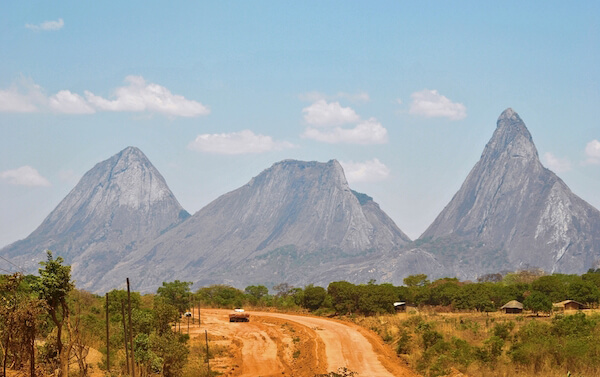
[[403, 346]]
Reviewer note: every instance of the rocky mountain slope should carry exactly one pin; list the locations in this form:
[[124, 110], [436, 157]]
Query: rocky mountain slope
[[512, 213], [291, 223], [115, 206]]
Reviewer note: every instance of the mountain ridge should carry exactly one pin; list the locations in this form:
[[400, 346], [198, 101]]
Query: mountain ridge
[[294, 210]]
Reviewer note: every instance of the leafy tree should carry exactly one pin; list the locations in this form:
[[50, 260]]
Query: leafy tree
[[552, 286], [256, 292], [474, 296], [172, 350], [419, 280], [538, 302], [593, 277], [221, 296], [444, 291], [164, 314], [313, 297], [584, 291], [377, 298], [54, 287], [344, 296], [177, 293], [117, 296]]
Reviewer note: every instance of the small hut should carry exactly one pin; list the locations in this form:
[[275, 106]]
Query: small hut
[[512, 307], [569, 305], [400, 306]]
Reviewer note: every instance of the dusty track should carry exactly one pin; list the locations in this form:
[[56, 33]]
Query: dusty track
[[274, 344]]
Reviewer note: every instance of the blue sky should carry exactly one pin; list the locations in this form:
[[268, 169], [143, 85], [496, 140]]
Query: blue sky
[[404, 94]]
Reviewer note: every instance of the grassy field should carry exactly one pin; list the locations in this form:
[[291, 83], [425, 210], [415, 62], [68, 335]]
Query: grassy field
[[493, 344]]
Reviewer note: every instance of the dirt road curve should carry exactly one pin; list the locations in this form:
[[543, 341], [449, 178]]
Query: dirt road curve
[[345, 346], [274, 344]]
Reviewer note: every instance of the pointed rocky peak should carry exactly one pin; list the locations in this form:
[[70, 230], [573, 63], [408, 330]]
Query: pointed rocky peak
[[511, 212], [511, 138], [118, 204]]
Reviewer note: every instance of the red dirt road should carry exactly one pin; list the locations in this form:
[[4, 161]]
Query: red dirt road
[[275, 344]]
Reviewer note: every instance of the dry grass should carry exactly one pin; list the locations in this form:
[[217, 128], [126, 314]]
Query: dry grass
[[474, 328]]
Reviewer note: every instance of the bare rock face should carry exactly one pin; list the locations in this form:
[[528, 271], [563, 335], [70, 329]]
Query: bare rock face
[[118, 204], [512, 213], [288, 224]]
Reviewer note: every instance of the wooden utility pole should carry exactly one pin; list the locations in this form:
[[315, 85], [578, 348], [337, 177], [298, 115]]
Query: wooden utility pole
[[107, 338], [32, 357], [130, 332], [125, 335], [207, 355]]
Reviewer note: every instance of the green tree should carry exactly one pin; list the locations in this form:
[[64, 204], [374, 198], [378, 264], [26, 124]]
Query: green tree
[[256, 292], [538, 302], [221, 296], [172, 350], [177, 293], [552, 286], [54, 287], [118, 296], [444, 291], [344, 296], [584, 291], [377, 298], [164, 314], [419, 280], [313, 297]]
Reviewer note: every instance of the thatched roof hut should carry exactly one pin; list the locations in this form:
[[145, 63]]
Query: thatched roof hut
[[569, 305], [512, 307]]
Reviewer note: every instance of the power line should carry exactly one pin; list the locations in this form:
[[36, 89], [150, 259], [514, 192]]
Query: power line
[[20, 268], [7, 271]]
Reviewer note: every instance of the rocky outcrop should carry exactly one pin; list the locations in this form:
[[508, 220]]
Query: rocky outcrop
[[512, 213], [117, 205], [290, 223]]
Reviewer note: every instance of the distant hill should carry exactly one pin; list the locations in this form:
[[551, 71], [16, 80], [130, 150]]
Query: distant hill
[[116, 205], [290, 223], [512, 213]]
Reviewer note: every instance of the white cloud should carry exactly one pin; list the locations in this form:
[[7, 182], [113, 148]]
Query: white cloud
[[141, 96], [367, 132], [325, 114], [558, 165], [24, 176], [431, 104], [24, 96], [47, 25], [592, 151], [243, 142], [69, 103], [368, 171]]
